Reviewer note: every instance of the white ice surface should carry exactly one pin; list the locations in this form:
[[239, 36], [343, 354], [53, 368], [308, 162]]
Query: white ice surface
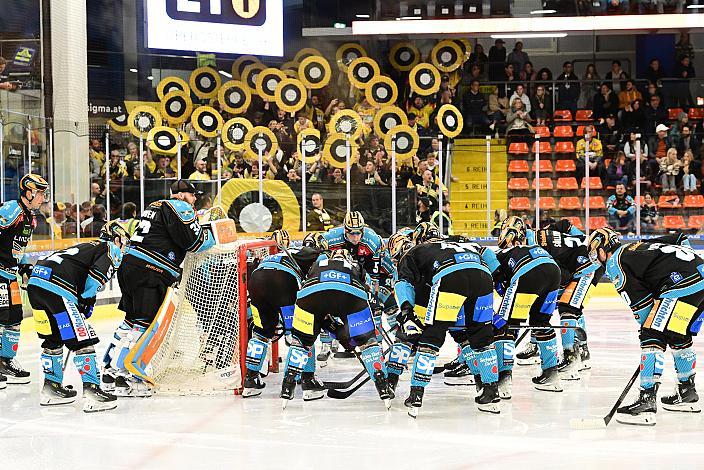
[[532, 430]]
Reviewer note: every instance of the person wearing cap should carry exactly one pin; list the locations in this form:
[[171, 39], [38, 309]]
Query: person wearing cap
[[167, 230], [659, 143]]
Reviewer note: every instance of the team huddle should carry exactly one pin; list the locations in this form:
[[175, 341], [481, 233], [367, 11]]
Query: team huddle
[[350, 288]]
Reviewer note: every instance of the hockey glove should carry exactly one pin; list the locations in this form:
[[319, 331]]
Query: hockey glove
[[408, 321], [25, 269], [85, 306]]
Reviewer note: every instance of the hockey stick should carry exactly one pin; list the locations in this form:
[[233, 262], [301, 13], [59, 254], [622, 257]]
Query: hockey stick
[[601, 423], [342, 394]]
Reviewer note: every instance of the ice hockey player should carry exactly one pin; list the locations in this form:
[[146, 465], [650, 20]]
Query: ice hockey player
[[530, 281], [460, 286], [349, 317], [167, 230], [272, 288], [17, 222], [62, 291], [664, 287]]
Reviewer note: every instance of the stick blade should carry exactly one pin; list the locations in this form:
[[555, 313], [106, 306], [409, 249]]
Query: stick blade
[[583, 424]]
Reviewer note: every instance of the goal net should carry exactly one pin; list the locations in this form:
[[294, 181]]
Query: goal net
[[205, 342]]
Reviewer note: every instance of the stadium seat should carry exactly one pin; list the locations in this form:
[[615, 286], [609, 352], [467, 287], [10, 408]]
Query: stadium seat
[[563, 131], [696, 114], [673, 222], [518, 184], [695, 222], [568, 183], [576, 221], [545, 184], [564, 147], [672, 113], [669, 202], [542, 131], [547, 203], [580, 131], [694, 201], [518, 148], [519, 204], [597, 222], [570, 203], [545, 166], [545, 148], [594, 183], [518, 166], [584, 115], [565, 166], [595, 202], [562, 115]]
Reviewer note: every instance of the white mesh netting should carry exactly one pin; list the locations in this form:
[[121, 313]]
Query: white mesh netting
[[201, 351]]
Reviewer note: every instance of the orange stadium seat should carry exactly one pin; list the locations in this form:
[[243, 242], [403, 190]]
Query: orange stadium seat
[[566, 146], [518, 184], [576, 221], [568, 183], [570, 203], [518, 148], [565, 166], [694, 201], [595, 202], [545, 166], [542, 131], [563, 131], [545, 147], [672, 113], [597, 222], [673, 222], [594, 183], [695, 222], [584, 115], [547, 203], [696, 114], [545, 184], [519, 204], [518, 166], [669, 202], [562, 115]]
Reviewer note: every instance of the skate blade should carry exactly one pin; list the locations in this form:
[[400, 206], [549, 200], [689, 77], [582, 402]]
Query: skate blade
[[489, 408], [505, 395], [569, 375], [313, 395], [528, 362], [683, 407], [322, 363], [548, 388], [413, 411], [643, 419], [387, 403], [584, 366], [458, 381], [3, 385], [99, 406], [251, 392], [17, 380], [56, 401]]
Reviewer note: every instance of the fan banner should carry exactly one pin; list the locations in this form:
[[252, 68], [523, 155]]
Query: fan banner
[[234, 133], [176, 107], [362, 71], [387, 118], [425, 79], [404, 56], [169, 84], [347, 53], [142, 119], [205, 82], [260, 138], [206, 121], [234, 97], [314, 72]]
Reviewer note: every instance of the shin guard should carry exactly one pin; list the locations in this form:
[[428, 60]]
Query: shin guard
[[257, 348], [685, 361], [652, 362], [52, 364], [86, 366], [372, 359], [398, 358], [468, 356], [423, 366], [10, 340], [296, 360]]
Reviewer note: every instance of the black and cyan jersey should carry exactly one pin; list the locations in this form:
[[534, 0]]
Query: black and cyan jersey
[[331, 275], [297, 265], [570, 252], [518, 261], [366, 252], [17, 223]]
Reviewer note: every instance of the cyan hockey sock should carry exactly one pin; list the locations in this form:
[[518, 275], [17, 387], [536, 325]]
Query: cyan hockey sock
[[652, 361], [296, 360], [10, 340], [257, 348], [487, 364], [86, 366], [685, 360], [371, 357], [398, 358], [549, 354], [533, 340], [325, 337], [468, 356], [568, 333], [423, 366], [391, 319], [582, 323], [310, 365], [52, 364], [377, 328], [504, 353]]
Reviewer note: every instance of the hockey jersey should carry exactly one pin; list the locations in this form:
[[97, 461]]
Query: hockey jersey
[[297, 265], [517, 261], [77, 273], [335, 275], [17, 223], [366, 252], [570, 252], [167, 230]]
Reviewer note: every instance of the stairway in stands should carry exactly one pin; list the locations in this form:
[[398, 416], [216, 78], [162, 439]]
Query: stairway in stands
[[469, 194]]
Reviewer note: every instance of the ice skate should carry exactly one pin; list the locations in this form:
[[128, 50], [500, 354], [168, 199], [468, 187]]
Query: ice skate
[[569, 367], [459, 375], [313, 389], [95, 399], [324, 354], [529, 356], [252, 385], [505, 384], [642, 411], [548, 381], [288, 390], [54, 393], [414, 401], [488, 399], [685, 399], [10, 368]]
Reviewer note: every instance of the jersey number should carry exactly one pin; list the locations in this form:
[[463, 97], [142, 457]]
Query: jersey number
[[681, 252], [57, 257], [142, 229]]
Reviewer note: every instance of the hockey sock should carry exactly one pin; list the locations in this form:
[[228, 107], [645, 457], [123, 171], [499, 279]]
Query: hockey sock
[[582, 323], [86, 366], [391, 318], [310, 365], [685, 360], [487, 364], [652, 361], [549, 355], [52, 364], [257, 347], [504, 354], [296, 360], [378, 326], [423, 366], [372, 360], [468, 356], [10, 339], [533, 339], [568, 333], [325, 337], [398, 358]]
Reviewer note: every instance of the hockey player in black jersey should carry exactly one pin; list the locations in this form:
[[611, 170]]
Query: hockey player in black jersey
[[664, 287], [272, 288], [17, 222], [167, 230], [62, 290]]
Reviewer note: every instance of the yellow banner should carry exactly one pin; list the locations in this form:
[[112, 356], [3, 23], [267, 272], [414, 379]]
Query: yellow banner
[[278, 190]]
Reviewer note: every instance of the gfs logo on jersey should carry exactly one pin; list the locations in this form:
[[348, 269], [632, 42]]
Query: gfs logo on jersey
[[242, 12]]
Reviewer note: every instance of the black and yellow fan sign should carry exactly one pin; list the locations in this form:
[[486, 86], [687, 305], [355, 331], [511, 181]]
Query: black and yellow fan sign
[[314, 72], [290, 95], [258, 139], [169, 84], [425, 79], [362, 71], [234, 133], [309, 144], [335, 150], [407, 142], [267, 82], [119, 123], [387, 118], [240, 63], [234, 97], [176, 107], [347, 53], [466, 47], [404, 56], [162, 139], [346, 121], [382, 91], [450, 120], [306, 52], [447, 56], [142, 119], [250, 75], [206, 121], [205, 82]]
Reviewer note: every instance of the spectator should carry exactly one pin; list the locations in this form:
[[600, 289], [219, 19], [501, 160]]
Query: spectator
[[302, 122], [669, 169], [590, 85], [97, 221], [517, 120], [128, 219], [118, 167], [498, 108], [568, 88], [541, 106], [629, 148], [315, 113], [528, 75], [521, 95], [589, 150], [655, 114], [654, 74], [473, 105], [292, 176], [684, 48], [676, 128], [429, 188], [611, 135], [69, 227], [659, 143], [518, 57], [605, 103], [687, 142], [424, 210], [96, 191], [413, 124], [240, 166], [650, 91], [619, 171], [369, 175], [163, 167], [545, 79], [200, 173], [417, 177], [446, 220], [446, 93], [648, 214], [96, 159], [680, 94], [474, 74], [689, 179], [507, 88], [633, 118], [85, 214], [497, 59], [628, 95], [431, 163], [617, 6], [478, 58], [616, 77], [58, 218], [318, 218], [421, 110], [621, 209], [337, 177]]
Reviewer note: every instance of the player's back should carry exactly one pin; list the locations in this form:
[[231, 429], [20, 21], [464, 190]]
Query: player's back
[[335, 274], [440, 258], [520, 259], [569, 251]]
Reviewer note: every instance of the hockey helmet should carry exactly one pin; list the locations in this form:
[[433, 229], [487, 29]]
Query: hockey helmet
[[315, 240], [34, 183], [399, 243], [354, 222], [282, 238], [513, 231], [604, 238], [425, 231], [342, 255], [113, 232]]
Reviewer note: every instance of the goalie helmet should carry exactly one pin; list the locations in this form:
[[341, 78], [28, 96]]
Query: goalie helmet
[[282, 238], [315, 240], [425, 231], [399, 243], [604, 238], [513, 231], [353, 221], [113, 232]]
